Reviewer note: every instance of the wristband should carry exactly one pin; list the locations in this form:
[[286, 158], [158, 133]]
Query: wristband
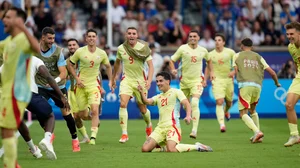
[[58, 79]]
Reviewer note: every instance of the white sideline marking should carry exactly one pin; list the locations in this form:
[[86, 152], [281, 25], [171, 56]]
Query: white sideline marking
[[28, 124]]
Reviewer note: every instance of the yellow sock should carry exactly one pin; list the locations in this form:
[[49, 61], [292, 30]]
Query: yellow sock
[[249, 122], [185, 147], [195, 113], [147, 118], [220, 114], [123, 118], [255, 119], [10, 152], [94, 132], [83, 132], [293, 129]]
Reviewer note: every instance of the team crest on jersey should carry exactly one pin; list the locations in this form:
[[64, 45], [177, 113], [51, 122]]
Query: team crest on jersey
[[85, 56], [98, 57]]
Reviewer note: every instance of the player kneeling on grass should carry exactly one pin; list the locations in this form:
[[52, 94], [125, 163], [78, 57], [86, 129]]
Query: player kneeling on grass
[[168, 127], [249, 67]]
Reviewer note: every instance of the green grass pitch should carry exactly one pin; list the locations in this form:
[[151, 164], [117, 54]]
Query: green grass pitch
[[231, 149]]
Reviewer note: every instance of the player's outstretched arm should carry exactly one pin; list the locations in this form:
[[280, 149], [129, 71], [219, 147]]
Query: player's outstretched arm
[[144, 98], [211, 71], [116, 70], [108, 71], [273, 75], [150, 74], [45, 73], [172, 67], [61, 64], [32, 40], [188, 109], [72, 67], [206, 74]]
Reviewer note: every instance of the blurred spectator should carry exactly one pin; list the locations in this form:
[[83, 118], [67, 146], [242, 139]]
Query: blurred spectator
[[129, 21], [271, 35], [287, 16], [176, 32], [157, 60], [151, 40], [215, 14], [74, 30], [142, 27], [241, 32], [258, 36], [207, 42], [166, 6], [112, 59], [276, 10], [152, 24], [226, 25], [161, 35], [294, 5], [30, 24], [117, 14], [5, 5], [60, 32], [132, 6], [262, 21], [148, 11], [256, 3], [249, 13], [266, 9], [102, 42], [288, 70], [43, 19]]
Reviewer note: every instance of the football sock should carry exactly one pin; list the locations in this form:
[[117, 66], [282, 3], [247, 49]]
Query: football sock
[[147, 118], [71, 125], [249, 122], [48, 136], [31, 145], [220, 114], [195, 113], [255, 119], [94, 132], [10, 152], [185, 147], [293, 129], [83, 132], [123, 118]]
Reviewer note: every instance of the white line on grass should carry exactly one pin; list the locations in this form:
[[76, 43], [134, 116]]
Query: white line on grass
[[28, 124]]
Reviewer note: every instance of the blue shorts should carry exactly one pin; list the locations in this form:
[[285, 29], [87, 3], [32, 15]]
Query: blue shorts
[[40, 107]]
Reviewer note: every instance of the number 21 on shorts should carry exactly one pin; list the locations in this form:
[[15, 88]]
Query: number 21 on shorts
[[171, 133]]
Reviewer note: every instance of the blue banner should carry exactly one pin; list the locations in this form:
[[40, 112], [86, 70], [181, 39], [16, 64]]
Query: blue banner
[[271, 103]]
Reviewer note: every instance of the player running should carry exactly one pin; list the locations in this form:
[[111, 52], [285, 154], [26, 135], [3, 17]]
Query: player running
[[293, 34], [190, 58], [17, 50], [133, 53], [53, 58], [88, 87], [222, 85], [249, 68]]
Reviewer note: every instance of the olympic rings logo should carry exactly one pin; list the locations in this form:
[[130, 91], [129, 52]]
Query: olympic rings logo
[[280, 94]]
